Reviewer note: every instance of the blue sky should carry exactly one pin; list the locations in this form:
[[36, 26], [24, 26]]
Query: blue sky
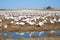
[[35, 4]]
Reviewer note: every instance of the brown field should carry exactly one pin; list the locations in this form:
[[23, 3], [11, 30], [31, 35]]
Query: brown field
[[11, 27], [46, 38]]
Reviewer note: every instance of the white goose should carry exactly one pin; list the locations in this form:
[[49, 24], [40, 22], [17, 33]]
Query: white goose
[[21, 33], [52, 31], [19, 18], [38, 17], [51, 21], [54, 20], [31, 23], [16, 20], [45, 21], [41, 23], [5, 26], [41, 32], [22, 23], [12, 22], [59, 20], [0, 20], [17, 32], [5, 34], [12, 17], [31, 34], [16, 23], [7, 18]]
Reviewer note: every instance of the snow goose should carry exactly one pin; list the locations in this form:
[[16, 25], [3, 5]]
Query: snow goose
[[54, 20], [31, 23], [21, 33], [0, 20], [5, 26], [27, 19], [16, 23], [38, 17], [45, 21], [7, 18], [41, 32], [52, 31], [12, 22], [17, 32], [19, 18], [35, 19], [31, 34], [43, 17], [16, 20], [12, 17], [5, 34], [51, 21], [46, 18], [41, 23], [23, 19], [59, 20], [22, 23]]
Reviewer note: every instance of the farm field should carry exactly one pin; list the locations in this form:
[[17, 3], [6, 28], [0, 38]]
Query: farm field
[[46, 24]]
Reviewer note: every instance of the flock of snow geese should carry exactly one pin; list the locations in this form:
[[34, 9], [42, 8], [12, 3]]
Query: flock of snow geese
[[31, 20]]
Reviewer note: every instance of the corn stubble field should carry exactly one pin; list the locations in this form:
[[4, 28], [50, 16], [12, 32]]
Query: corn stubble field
[[31, 23]]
